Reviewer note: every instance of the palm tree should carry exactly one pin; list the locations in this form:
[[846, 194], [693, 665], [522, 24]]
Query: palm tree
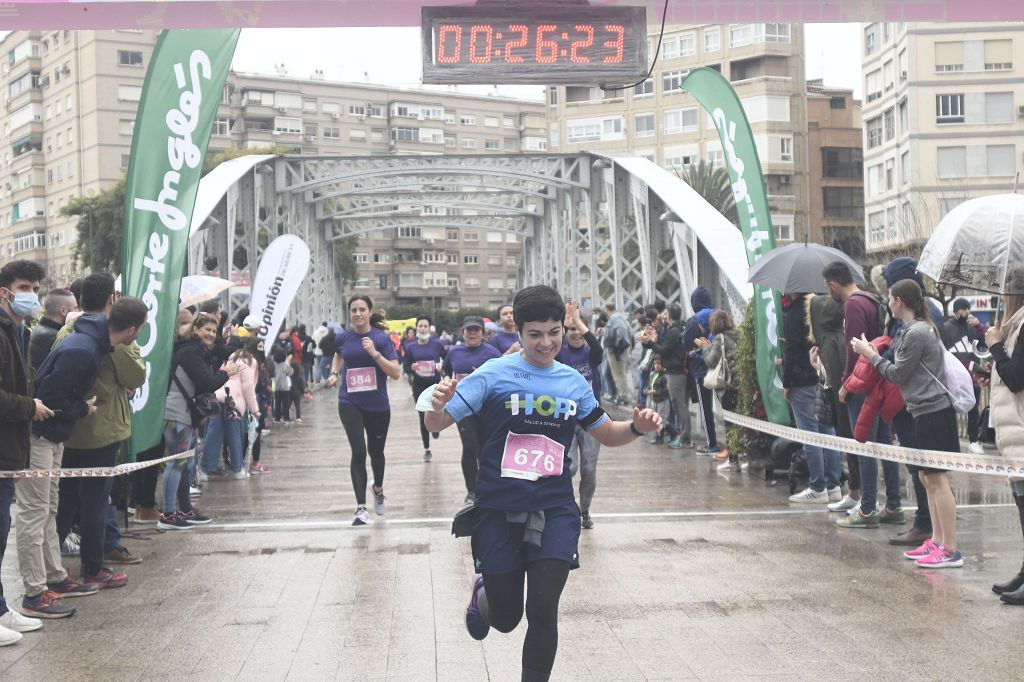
[[713, 184]]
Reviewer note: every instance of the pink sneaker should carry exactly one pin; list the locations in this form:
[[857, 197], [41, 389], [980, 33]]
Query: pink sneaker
[[942, 558], [259, 468], [924, 550]]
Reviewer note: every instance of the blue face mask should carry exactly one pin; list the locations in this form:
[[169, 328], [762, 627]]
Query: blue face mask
[[24, 304]]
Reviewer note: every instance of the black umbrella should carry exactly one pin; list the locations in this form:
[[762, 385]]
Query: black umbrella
[[797, 268]]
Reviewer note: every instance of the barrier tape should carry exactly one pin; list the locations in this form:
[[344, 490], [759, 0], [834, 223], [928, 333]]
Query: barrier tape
[[94, 472], [934, 459]]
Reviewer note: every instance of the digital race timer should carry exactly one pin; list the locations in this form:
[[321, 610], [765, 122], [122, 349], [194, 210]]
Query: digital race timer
[[577, 44]]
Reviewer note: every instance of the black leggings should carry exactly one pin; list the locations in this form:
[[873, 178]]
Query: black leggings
[[707, 404], [419, 384], [472, 443], [375, 424], [503, 609]]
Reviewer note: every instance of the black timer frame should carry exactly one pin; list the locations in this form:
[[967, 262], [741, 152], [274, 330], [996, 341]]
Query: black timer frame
[[559, 45]]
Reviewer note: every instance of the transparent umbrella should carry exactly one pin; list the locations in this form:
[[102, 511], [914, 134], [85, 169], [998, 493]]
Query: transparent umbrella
[[979, 246], [198, 288]]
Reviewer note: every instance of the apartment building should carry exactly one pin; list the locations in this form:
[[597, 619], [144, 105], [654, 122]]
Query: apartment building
[[943, 123], [69, 116], [835, 168], [657, 120]]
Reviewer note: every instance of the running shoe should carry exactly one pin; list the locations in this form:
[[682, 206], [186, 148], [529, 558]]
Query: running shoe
[[859, 520], [942, 558], [677, 444], [586, 522], [810, 496], [362, 517], [8, 636], [106, 579], [47, 605], [173, 521], [707, 451], [976, 449], [475, 621], [258, 468], [895, 516], [193, 491], [845, 504], [240, 475], [72, 588], [71, 545], [427, 456], [920, 552], [835, 494], [194, 517], [12, 620], [380, 503]]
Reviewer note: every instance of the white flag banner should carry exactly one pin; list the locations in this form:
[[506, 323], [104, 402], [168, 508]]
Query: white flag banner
[[284, 265]]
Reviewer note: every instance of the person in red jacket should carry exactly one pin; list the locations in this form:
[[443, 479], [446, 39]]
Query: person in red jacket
[[884, 400]]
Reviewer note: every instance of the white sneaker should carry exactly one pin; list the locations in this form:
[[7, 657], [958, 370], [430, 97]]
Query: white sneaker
[[380, 503], [194, 491], [810, 496], [12, 620], [854, 510], [835, 494], [9, 637], [240, 475], [362, 517], [201, 476], [976, 448], [845, 504]]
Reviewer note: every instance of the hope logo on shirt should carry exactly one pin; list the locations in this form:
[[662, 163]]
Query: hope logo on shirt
[[544, 405]]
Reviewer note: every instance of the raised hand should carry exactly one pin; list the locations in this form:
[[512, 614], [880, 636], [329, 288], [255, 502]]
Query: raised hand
[[443, 393]]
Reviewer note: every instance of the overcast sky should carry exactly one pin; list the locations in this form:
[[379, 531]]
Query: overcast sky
[[391, 56]]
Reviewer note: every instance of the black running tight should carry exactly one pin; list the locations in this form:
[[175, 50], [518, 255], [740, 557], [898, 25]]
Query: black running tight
[[472, 443], [419, 384], [375, 424], [503, 608]]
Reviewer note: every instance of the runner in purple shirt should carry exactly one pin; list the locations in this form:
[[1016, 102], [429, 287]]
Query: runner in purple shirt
[[423, 363], [463, 360], [506, 339], [365, 360]]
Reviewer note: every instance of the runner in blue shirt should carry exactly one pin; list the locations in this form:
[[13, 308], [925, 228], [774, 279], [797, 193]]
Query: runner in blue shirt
[[463, 360], [506, 339], [526, 533], [364, 361], [582, 351], [423, 363]]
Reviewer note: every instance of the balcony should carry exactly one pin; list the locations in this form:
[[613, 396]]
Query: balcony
[[259, 110]]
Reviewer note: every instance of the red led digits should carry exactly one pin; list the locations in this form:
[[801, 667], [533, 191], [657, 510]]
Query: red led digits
[[488, 31], [617, 43], [446, 34], [524, 38], [547, 50], [574, 56]]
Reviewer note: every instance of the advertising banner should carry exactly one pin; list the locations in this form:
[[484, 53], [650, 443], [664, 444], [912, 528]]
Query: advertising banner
[[176, 112], [282, 269], [716, 95]]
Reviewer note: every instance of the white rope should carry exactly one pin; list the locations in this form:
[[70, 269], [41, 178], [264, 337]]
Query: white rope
[[934, 459]]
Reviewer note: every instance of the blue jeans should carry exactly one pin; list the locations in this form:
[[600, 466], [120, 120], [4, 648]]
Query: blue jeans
[[6, 498], [87, 499], [219, 430], [323, 367], [178, 438], [112, 538], [880, 433], [824, 465]]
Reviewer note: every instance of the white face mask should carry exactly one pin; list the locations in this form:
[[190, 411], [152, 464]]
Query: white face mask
[[423, 336]]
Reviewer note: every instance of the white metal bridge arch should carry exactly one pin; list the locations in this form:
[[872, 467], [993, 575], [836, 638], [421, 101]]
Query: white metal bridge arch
[[597, 228]]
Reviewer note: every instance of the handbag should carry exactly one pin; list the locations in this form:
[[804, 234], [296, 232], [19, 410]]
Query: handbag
[[719, 376], [824, 405], [201, 405]]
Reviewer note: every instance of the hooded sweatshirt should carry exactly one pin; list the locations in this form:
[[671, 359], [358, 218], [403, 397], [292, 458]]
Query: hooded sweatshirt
[[700, 300], [67, 375]]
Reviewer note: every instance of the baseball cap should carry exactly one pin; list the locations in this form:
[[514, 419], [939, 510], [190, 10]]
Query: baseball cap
[[472, 321], [251, 322]]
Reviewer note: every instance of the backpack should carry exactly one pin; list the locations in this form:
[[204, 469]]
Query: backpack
[[883, 313], [958, 385]]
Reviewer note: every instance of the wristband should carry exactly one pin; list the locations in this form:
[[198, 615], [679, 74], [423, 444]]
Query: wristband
[[636, 432]]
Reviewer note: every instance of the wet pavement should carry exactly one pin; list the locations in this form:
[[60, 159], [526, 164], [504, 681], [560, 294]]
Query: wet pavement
[[690, 573]]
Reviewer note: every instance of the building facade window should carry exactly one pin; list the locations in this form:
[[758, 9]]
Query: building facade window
[[952, 162], [843, 202], [129, 57], [712, 39], [680, 121], [643, 125], [842, 162], [949, 108]]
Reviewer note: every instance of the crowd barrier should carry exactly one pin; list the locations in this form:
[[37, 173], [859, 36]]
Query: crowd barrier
[[936, 459], [94, 472]]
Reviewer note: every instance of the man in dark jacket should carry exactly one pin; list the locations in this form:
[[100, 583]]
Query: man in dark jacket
[[673, 360], [64, 380], [700, 301], [56, 306], [19, 285], [958, 335]]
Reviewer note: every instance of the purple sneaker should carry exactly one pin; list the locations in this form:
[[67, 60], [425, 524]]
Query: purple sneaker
[[475, 623]]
